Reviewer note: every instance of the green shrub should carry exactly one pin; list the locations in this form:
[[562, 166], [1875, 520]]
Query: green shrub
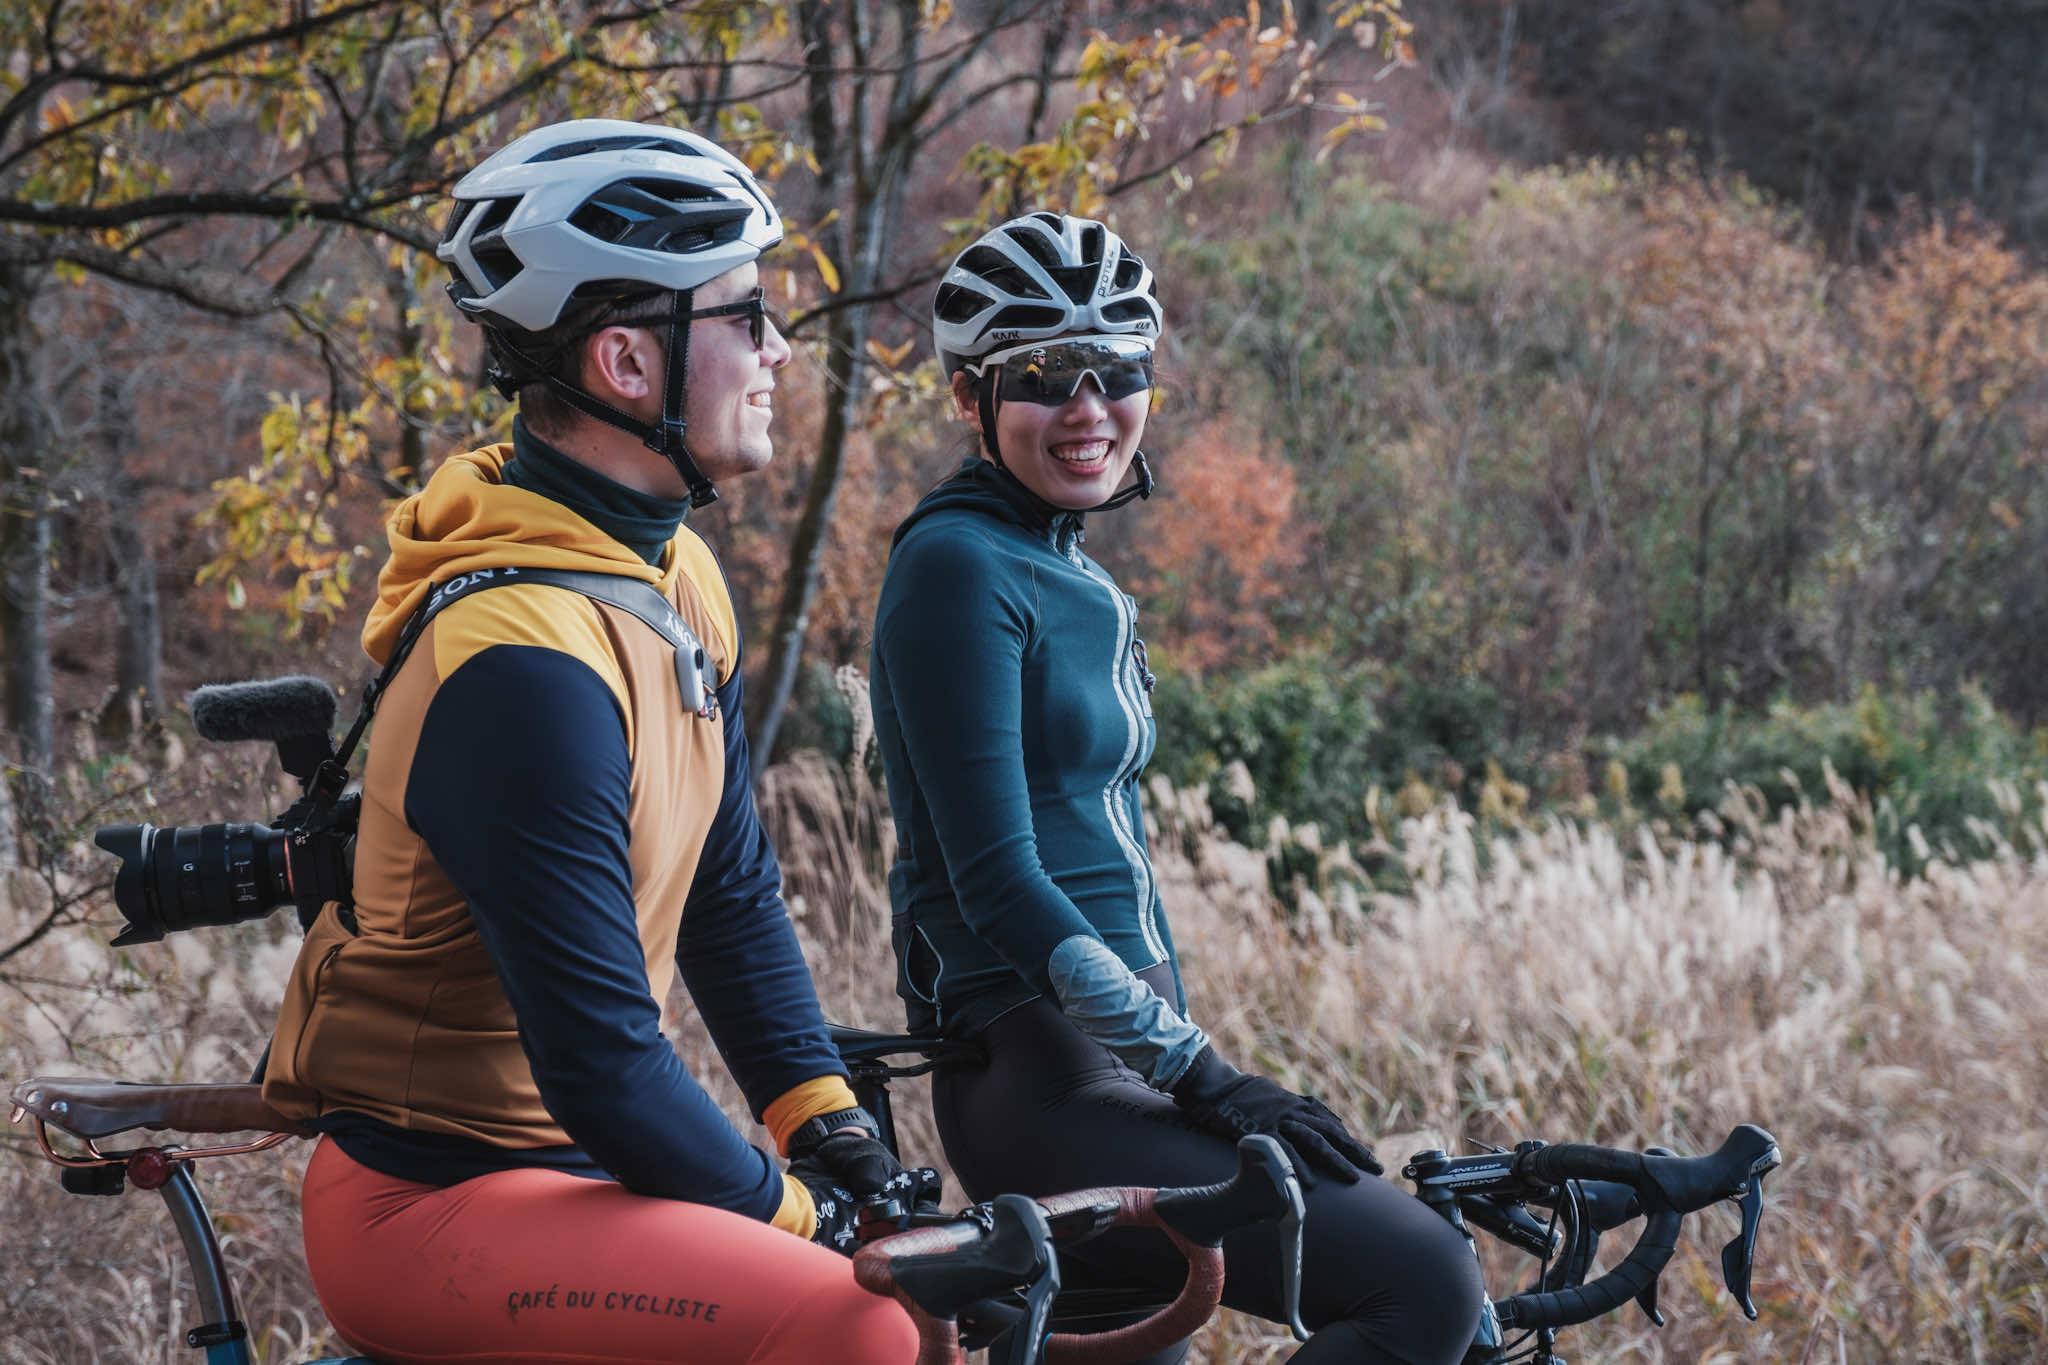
[[1951, 767], [1303, 731]]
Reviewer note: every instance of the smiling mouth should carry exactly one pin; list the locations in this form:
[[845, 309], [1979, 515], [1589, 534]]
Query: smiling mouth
[[1081, 453], [763, 400]]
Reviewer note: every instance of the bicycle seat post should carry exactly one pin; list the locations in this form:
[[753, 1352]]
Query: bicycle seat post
[[221, 1333], [871, 1088]]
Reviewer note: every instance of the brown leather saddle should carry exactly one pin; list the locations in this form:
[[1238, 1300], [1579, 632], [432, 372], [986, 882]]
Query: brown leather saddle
[[92, 1110]]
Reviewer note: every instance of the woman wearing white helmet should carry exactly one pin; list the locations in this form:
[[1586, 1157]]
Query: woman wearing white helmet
[[1012, 704], [557, 822]]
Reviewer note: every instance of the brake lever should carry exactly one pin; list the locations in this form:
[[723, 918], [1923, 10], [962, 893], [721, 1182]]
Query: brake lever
[[1029, 1337], [1290, 1255], [1647, 1300], [1738, 1258]]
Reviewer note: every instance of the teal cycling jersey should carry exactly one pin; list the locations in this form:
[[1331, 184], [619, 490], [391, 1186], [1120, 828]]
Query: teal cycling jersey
[[1013, 712]]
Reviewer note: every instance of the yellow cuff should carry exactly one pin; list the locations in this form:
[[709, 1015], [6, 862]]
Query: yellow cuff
[[803, 1103], [799, 1212]]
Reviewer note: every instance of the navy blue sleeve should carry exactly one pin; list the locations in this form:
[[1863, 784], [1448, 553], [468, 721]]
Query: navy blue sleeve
[[738, 952], [519, 787]]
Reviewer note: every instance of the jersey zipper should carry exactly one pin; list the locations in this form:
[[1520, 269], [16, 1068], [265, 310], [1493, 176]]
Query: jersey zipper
[[1120, 816]]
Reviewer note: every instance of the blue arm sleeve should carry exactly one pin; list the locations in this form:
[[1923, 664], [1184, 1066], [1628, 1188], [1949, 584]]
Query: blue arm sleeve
[[950, 634], [738, 952], [530, 820]]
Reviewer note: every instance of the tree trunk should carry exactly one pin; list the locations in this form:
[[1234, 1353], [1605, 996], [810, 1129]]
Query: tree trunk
[[10, 852], [137, 698], [24, 530], [846, 371]]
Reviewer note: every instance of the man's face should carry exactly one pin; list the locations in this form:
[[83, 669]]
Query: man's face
[[729, 380]]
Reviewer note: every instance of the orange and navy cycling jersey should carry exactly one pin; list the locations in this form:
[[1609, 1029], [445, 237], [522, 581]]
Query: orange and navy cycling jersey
[[547, 839]]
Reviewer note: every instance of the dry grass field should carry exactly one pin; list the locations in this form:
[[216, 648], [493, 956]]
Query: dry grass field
[[1558, 982]]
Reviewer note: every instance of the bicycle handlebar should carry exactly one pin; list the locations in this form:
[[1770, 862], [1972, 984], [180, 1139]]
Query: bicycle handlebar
[[937, 1271], [1667, 1187]]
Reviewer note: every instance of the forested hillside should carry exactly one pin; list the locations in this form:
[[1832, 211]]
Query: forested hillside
[[1560, 410]]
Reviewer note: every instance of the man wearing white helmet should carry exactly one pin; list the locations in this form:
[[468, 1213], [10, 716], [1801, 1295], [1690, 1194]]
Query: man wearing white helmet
[[1013, 710], [557, 819]]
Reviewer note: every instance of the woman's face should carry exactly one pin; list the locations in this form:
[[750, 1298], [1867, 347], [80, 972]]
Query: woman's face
[[1073, 455]]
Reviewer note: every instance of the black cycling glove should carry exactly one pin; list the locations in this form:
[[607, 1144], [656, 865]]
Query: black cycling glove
[[855, 1162], [1236, 1103], [838, 1217], [843, 1170]]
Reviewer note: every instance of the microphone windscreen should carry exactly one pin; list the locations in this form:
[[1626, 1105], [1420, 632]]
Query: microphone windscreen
[[274, 709]]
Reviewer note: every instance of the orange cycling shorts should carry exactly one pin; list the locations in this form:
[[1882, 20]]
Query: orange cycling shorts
[[541, 1266]]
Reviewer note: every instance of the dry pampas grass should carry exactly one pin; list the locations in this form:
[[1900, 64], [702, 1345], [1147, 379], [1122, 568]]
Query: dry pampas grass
[[1566, 982]]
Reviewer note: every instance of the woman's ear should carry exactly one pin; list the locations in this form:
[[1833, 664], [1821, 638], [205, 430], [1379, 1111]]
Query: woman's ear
[[965, 405]]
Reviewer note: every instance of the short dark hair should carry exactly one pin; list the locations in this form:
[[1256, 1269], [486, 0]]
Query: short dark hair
[[557, 351]]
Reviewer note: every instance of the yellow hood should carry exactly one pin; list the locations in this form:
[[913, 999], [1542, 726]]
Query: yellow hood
[[465, 519]]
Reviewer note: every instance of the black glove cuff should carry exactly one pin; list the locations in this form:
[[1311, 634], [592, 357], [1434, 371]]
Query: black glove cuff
[[814, 1131], [1206, 1077]]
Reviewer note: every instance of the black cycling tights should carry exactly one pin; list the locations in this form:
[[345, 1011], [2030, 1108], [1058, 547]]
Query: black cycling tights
[[1385, 1281]]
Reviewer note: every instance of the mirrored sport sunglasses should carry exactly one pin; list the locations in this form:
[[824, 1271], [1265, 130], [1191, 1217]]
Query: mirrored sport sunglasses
[[1049, 372]]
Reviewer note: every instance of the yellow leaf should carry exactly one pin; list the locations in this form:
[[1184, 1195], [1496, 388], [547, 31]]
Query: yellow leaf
[[890, 357], [827, 272]]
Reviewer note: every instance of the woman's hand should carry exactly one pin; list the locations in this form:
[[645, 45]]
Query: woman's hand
[[1237, 1103]]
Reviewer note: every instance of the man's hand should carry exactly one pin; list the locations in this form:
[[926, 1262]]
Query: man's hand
[[848, 1166], [1236, 1103], [852, 1159]]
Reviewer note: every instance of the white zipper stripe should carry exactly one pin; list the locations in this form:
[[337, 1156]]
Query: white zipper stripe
[[1119, 821]]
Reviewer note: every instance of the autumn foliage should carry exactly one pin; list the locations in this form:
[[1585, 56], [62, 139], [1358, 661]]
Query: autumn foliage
[[1218, 542]]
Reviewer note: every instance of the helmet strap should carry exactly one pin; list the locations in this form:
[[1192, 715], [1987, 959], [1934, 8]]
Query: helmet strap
[[1141, 489], [667, 441], [985, 402], [664, 439]]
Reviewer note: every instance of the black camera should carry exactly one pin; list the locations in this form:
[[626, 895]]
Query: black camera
[[194, 875]]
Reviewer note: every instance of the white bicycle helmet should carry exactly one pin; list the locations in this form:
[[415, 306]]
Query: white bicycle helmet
[[1039, 276], [598, 209]]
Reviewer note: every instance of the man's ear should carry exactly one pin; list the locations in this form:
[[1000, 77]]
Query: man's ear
[[622, 365]]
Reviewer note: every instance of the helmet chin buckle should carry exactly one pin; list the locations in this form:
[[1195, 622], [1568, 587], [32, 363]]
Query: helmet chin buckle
[[666, 440]]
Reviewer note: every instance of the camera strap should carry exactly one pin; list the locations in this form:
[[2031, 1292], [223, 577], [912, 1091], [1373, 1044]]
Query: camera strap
[[636, 596]]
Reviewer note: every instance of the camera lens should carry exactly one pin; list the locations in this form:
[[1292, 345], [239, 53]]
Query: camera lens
[[192, 875]]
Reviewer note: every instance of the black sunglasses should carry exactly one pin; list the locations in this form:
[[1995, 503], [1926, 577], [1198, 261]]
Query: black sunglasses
[[754, 308], [1049, 373]]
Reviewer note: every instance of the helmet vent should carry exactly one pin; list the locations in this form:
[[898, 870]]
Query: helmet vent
[[1077, 281], [957, 304], [497, 263], [632, 142], [1025, 317], [986, 263], [660, 216], [487, 244], [1035, 245]]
